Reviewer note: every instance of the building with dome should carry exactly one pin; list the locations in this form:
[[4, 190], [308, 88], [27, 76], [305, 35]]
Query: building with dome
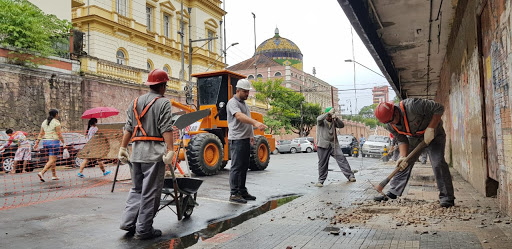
[[279, 57]]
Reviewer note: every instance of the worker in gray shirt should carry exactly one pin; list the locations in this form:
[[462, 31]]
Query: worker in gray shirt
[[149, 127], [240, 138], [410, 122], [327, 146]]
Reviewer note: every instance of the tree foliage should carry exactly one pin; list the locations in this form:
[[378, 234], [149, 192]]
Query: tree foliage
[[368, 111], [284, 109], [28, 29]]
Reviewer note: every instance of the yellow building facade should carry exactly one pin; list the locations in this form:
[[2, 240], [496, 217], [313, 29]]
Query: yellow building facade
[[126, 39]]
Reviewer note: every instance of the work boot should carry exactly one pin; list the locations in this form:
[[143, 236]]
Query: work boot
[[447, 204], [388, 196], [352, 179], [153, 234], [319, 184], [237, 198], [248, 197]]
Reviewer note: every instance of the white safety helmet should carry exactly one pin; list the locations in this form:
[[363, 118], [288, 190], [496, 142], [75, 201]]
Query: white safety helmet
[[244, 84]]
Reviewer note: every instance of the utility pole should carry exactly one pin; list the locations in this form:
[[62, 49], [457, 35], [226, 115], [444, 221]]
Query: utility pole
[[225, 44], [182, 73], [189, 47], [221, 44], [255, 60], [301, 115]]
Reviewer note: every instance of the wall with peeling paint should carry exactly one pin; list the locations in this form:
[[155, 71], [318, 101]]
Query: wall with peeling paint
[[475, 90]]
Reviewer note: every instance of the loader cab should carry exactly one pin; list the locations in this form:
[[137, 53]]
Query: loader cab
[[216, 89]]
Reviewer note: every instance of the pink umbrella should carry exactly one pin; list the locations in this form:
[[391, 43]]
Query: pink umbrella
[[100, 112]]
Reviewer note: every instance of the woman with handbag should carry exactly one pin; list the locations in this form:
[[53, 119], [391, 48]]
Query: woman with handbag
[[91, 130], [51, 134]]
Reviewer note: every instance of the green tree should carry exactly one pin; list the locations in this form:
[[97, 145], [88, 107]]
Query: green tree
[[28, 29], [368, 111], [396, 100], [310, 112]]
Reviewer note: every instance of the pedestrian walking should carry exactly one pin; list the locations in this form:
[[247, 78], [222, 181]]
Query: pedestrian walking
[[23, 151], [410, 122], [91, 130], [328, 146], [362, 139], [51, 134], [149, 127], [240, 138]]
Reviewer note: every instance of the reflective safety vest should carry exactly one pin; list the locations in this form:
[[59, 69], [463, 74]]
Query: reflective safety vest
[[144, 136], [406, 123]]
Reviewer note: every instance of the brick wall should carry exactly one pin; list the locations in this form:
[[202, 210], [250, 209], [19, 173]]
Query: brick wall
[[474, 87]]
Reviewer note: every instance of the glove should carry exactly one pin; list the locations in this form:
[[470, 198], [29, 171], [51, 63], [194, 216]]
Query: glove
[[167, 158], [429, 135], [402, 163], [123, 155]]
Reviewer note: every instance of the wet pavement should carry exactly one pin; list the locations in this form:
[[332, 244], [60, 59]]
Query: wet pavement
[[289, 212]]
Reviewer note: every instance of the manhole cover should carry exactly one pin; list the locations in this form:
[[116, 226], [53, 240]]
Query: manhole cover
[[380, 210]]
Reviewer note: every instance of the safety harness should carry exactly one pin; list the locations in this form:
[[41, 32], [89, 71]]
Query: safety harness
[[144, 136], [408, 133]]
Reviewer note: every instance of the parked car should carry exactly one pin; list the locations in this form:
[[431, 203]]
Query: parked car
[[310, 139], [287, 146], [374, 145], [349, 145], [305, 145], [74, 142], [7, 154]]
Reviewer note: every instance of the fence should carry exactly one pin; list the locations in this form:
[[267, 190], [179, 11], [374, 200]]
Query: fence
[[23, 187]]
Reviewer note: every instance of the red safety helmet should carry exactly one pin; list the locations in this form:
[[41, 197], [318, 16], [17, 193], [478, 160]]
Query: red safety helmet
[[384, 112], [157, 76]]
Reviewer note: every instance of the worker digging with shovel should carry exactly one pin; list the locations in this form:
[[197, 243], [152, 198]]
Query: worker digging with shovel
[[410, 122]]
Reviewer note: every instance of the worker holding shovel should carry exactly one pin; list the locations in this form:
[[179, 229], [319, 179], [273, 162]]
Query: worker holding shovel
[[410, 122]]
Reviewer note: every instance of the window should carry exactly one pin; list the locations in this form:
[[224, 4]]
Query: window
[[250, 77], [121, 57], [149, 65], [121, 7], [277, 74], [166, 69], [149, 18], [210, 42], [259, 76], [167, 25]]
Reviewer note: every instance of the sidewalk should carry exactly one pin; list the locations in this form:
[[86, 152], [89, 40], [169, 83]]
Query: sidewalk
[[343, 215]]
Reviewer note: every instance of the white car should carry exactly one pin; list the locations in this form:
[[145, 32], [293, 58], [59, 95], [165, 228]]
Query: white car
[[374, 146], [305, 145]]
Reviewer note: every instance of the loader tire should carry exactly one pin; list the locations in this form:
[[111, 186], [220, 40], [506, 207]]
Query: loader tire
[[260, 154], [205, 154]]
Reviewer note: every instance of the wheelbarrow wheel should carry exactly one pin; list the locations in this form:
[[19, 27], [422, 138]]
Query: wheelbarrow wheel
[[205, 153], [189, 206]]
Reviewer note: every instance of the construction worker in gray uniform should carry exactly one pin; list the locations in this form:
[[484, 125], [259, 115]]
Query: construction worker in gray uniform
[[412, 121], [149, 127], [327, 146]]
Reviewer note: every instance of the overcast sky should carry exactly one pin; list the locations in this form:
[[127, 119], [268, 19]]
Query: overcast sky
[[322, 32]]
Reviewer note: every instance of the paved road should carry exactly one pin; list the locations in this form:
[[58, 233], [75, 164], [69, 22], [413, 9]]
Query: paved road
[[92, 221]]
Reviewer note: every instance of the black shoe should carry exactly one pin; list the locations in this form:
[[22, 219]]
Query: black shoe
[[249, 197], [388, 196], [447, 204], [237, 198], [155, 233], [130, 230]]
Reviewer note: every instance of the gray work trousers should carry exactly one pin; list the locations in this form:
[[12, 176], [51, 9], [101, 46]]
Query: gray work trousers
[[435, 151], [144, 197], [323, 162], [240, 159]]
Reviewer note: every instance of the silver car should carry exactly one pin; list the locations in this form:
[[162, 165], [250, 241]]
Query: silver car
[[287, 146]]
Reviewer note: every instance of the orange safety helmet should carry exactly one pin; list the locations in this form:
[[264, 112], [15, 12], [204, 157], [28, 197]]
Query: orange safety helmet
[[157, 76], [384, 112]]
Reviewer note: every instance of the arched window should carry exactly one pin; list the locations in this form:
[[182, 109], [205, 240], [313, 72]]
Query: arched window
[[250, 77], [121, 57], [167, 69], [149, 65], [277, 74], [259, 76]]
